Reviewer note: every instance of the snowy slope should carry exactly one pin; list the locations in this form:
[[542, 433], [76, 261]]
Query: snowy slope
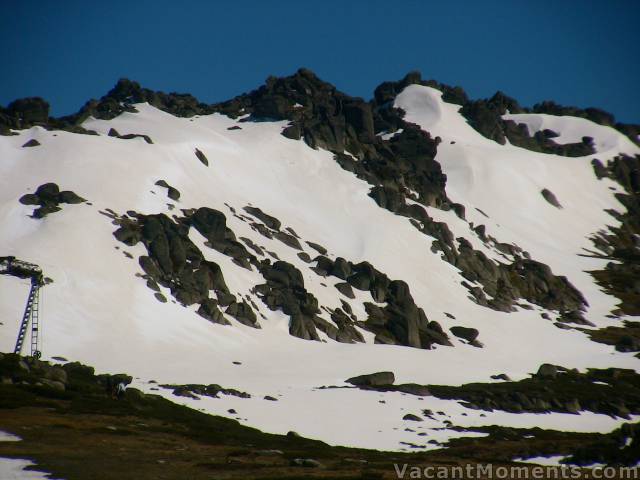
[[98, 312]]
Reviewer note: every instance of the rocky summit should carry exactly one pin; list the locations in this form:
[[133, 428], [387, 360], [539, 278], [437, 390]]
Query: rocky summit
[[417, 272]]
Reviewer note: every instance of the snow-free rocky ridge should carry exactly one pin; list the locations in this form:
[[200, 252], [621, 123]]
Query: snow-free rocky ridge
[[295, 237]]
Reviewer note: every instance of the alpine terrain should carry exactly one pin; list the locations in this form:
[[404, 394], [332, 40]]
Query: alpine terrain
[[422, 272]]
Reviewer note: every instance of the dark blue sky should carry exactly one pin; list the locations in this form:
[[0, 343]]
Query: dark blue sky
[[577, 53]]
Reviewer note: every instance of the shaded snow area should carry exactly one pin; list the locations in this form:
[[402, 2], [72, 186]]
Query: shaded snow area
[[16, 468], [100, 312]]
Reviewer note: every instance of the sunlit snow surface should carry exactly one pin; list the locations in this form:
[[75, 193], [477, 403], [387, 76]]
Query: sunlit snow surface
[[98, 312]]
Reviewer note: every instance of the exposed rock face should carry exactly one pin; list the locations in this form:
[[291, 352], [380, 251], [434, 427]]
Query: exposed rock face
[[485, 116], [398, 167], [621, 243], [34, 111], [24, 113], [506, 283], [174, 262], [48, 196], [402, 166], [127, 92], [625, 338], [284, 290], [401, 321], [326, 118]]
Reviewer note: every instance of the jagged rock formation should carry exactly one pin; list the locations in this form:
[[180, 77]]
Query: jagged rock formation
[[377, 275], [486, 117], [174, 262], [397, 168]]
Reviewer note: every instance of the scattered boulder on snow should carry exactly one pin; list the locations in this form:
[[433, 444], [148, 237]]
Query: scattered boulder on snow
[[550, 197], [202, 157], [466, 333], [412, 418], [212, 390], [31, 143], [114, 133], [49, 197], [373, 379], [172, 193]]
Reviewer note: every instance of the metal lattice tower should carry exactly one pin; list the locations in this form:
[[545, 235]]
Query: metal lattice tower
[[31, 315]]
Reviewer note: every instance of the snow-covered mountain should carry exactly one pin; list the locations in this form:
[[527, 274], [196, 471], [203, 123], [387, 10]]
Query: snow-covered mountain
[[294, 237]]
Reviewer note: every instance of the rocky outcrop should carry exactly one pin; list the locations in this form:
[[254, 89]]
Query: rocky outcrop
[[24, 113], [401, 321], [596, 115], [34, 112], [326, 118], [54, 380], [284, 290], [372, 379], [505, 283], [620, 447], [174, 262], [129, 136], [625, 338], [49, 197], [212, 225], [554, 389], [196, 390], [621, 244], [384, 382], [400, 167], [485, 116]]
